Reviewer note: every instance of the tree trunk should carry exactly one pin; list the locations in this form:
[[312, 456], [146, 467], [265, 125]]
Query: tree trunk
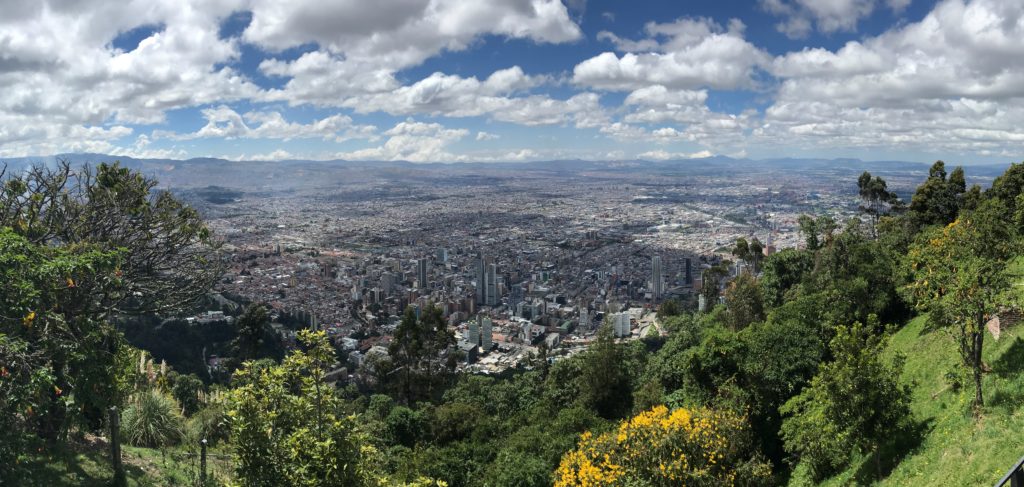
[[979, 338]]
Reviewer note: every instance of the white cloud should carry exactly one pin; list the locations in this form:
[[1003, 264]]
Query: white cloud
[[486, 136], [224, 122], [950, 82], [413, 141], [685, 54], [361, 47], [801, 16], [661, 155]]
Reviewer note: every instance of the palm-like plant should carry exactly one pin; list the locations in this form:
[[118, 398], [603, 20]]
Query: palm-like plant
[[152, 420]]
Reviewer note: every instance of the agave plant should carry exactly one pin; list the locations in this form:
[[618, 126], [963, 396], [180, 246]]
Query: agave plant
[[152, 420]]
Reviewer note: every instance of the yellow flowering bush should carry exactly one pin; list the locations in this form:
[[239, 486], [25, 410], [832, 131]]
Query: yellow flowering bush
[[664, 447]]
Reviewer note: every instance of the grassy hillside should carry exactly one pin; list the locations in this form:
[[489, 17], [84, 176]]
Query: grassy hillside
[[88, 464], [954, 448]]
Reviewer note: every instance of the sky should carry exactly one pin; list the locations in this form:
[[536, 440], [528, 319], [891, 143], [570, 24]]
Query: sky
[[512, 80]]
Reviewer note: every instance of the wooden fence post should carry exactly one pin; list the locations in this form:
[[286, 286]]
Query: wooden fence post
[[115, 448], [202, 463]]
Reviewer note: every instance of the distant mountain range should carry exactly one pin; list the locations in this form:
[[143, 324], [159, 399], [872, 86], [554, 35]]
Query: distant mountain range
[[201, 172]]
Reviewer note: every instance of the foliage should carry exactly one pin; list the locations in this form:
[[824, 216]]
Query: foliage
[[1008, 187], [168, 256], [669, 308], [960, 276], [854, 403], [58, 353], [816, 231], [187, 390], [876, 199], [152, 420], [663, 447], [937, 200], [783, 271], [286, 423], [605, 385], [251, 327], [744, 300], [417, 351]]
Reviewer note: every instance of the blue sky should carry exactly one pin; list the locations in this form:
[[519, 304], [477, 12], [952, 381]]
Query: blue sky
[[507, 80]]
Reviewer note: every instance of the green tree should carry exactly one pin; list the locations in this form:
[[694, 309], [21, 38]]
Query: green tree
[[783, 271], [56, 347], [287, 424], [669, 308], [420, 355], [251, 327], [169, 258], [1008, 187], [959, 275], [711, 281], [122, 248], [605, 385], [937, 200], [816, 231], [876, 199], [756, 253], [187, 390], [854, 403], [744, 301]]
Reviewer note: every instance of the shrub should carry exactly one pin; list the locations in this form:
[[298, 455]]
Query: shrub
[[663, 447], [152, 420]]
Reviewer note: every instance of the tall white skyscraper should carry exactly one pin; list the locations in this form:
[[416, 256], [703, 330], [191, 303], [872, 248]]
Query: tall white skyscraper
[[657, 283]]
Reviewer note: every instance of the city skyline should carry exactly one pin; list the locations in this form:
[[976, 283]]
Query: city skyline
[[445, 81]]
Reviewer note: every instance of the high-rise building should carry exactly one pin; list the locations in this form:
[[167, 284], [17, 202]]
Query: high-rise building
[[421, 273], [481, 279], [491, 299], [442, 255], [473, 333], [657, 283], [689, 271], [486, 332], [620, 324], [516, 296], [584, 319]]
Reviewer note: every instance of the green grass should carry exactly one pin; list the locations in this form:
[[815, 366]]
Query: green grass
[[954, 448], [89, 465]]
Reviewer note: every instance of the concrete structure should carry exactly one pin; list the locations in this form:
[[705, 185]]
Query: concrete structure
[[486, 333], [492, 297], [421, 273], [657, 281], [621, 324]]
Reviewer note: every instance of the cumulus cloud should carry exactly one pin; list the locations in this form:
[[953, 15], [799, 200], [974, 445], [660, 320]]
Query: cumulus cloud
[[224, 122], [413, 141], [360, 48], [685, 54], [65, 77], [661, 155], [948, 82], [800, 17]]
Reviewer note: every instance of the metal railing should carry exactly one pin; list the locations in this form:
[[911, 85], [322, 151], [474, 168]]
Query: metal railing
[[1015, 477]]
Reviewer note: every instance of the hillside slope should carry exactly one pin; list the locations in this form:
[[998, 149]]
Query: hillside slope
[[954, 447]]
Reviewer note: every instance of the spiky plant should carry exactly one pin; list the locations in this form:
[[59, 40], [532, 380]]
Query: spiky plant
[[152, 420]]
